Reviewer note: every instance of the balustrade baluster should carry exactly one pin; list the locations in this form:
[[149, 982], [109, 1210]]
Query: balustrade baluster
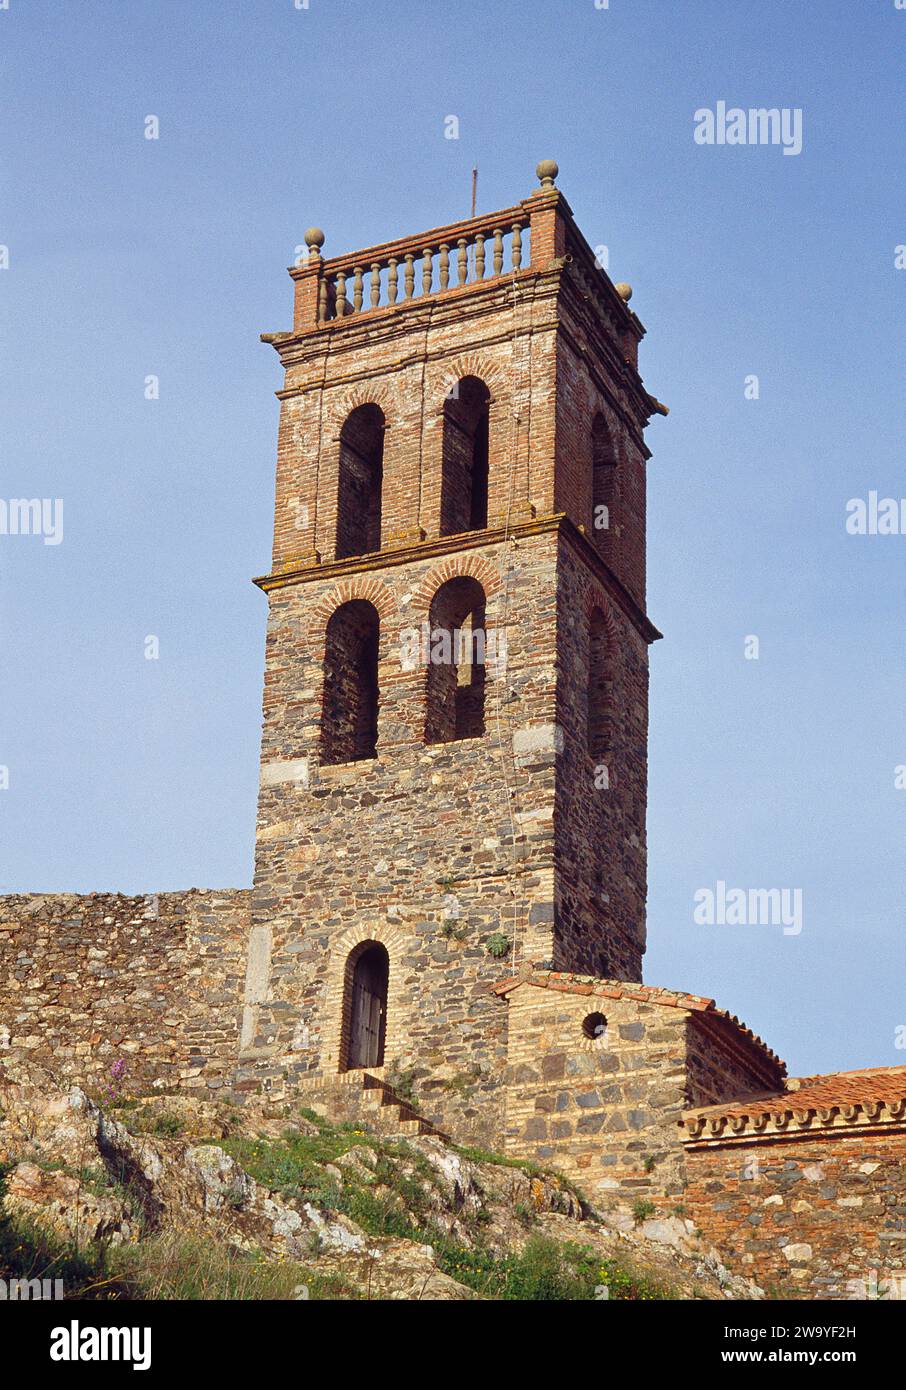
[[498, 250], [444, 265], [410, 275], [341, 294], [479, 256], [322, 299], [392, 281], [517, 246], [357, 289], [375, 284], [427, 269], [463, 245]]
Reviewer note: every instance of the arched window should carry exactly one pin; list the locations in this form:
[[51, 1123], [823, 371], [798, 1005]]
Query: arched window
[[604, 486], [361, 476], [457, 660], [464, 476], [600, 708], [350, 706], [364, 1023]]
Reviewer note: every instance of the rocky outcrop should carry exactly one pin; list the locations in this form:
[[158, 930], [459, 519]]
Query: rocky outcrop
[[91, 1175]]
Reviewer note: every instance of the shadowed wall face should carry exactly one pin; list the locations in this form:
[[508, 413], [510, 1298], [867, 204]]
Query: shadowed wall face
[[361, 476], [350, 702], [464, 482]]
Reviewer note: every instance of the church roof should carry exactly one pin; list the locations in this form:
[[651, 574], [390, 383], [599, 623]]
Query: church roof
[[843, 1099]]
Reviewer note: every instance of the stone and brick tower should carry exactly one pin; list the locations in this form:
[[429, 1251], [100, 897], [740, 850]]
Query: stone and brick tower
[[453, 767]]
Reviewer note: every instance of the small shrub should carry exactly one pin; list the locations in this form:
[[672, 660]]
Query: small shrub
[[641, 1210], [498, 945], [402, 1082]]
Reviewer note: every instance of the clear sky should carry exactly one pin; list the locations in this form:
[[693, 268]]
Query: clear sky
[[131, 257]]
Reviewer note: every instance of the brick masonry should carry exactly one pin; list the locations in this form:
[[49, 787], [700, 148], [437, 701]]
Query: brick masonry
[[822, 1218]]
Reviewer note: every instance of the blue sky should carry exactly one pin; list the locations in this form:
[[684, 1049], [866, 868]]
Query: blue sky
[[130, 257]]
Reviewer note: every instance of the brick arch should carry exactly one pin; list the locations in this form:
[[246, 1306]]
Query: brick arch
[[468, 566], [357, 586], [364, 393], [336, 1003], [596, 601], [389, 936], [474, 364]]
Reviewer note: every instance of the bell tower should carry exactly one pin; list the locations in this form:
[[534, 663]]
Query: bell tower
[[453, 765]]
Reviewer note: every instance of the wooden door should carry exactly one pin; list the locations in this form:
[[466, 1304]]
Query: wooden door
[[368, 1009]]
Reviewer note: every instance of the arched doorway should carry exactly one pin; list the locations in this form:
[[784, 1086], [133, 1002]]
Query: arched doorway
[[365, 1006]]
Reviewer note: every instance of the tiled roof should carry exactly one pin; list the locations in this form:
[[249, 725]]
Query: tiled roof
[[873, 1095], [838, 1087], [591, 985]]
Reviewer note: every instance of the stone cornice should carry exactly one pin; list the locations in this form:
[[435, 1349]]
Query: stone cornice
[[402, 319], [410, 553]]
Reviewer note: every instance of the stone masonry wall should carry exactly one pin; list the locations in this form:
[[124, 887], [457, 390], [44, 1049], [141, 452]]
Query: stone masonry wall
[[601, 851], [604, 1110], [819, 1218], [414, 847], [89, 980]]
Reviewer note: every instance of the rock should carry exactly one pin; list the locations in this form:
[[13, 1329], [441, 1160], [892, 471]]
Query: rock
[[796, 1254], [63, 1204], [81, 1173]]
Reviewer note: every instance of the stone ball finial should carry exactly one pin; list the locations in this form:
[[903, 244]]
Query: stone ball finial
[[314, 238], [624, 291], [547, 171]]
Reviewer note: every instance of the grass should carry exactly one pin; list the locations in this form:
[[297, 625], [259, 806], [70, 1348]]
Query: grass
[[294, 1164], [175, 1266], [397, 1202], [165, 1125], [547, 1270], [401, 1196], [167, 1265]]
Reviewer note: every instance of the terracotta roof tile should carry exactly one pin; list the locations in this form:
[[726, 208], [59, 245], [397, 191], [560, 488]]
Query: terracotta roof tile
[[841, 1090]]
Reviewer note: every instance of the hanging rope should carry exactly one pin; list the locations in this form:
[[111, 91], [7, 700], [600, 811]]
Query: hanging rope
[[505, 745]]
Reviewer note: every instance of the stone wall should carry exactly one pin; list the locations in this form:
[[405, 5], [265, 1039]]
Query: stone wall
[[602, 1109], [601, 851], [600, 1073], [818, 1218], [414, 847], [90, 980]]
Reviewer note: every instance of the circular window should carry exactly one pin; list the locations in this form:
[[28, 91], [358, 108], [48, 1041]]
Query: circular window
[[594, 1025]]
